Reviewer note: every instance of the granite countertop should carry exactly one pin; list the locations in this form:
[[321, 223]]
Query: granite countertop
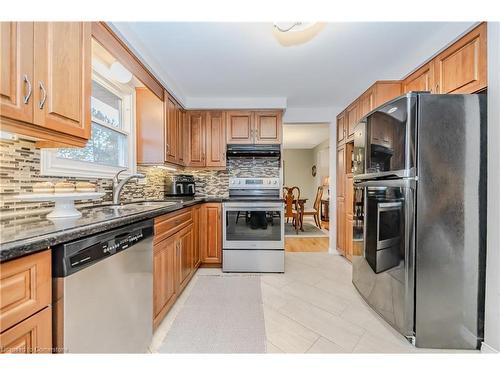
[[23, 237]]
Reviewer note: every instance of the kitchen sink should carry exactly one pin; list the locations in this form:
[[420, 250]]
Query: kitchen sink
[[128, 205]]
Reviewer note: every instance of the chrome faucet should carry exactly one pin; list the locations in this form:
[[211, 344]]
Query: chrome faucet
[[118, 184]]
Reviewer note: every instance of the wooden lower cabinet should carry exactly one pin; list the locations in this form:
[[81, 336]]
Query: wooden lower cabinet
[[196, 236], [211, 234], [348, 239], [164, 278], [25, 312], [31, 336], [177, 255], [185, 255]]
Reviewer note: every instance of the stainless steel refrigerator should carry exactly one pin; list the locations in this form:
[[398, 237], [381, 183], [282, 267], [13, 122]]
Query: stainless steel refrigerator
[[419, 245]]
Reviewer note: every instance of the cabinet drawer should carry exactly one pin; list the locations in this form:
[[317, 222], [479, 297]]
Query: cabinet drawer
[[33, 335], [169, 224], [25, 288]]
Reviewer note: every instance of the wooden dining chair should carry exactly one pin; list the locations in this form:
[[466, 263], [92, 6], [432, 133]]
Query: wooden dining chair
[[315, 210], [292, 196]]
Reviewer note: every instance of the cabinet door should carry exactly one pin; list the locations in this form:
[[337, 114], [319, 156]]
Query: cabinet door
[[384, 91], [240, 127], [164, 277], [349, 196], [170, 130], [150, 127], [180, 136], [196, 129], [352, 114], [25, 287], [216, 139], [211, 233], [340, 215], [62, 77], [16, 70], [196, 236], [33, 335], [348, 238], [462, 68], [340, 171], [184, 245], [366, 103], [268, 127], [420, 80], [341, 120]]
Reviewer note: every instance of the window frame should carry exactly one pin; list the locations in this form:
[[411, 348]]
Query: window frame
[[52, 165]]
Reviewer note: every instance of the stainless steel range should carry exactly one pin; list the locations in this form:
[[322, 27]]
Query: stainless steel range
[[253, 226]]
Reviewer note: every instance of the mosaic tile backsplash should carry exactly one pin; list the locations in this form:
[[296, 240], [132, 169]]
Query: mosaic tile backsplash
[[20, 169]]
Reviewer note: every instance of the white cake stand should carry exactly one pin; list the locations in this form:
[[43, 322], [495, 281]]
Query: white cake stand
[[65, 202]]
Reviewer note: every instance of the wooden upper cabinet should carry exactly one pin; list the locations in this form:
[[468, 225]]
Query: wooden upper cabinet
[[63, 77], [16, 70], [341, 123], [171, 117], [196, 131], [150, 127], [384, 91], [268, 127], [240, 127], [45, 81], [462, 67], [181, 136], [420, 80], [352, 115], [215, 139], [366, 103]]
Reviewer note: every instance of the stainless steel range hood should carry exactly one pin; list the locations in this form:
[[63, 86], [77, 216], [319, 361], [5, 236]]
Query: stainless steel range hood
[[253, 151]]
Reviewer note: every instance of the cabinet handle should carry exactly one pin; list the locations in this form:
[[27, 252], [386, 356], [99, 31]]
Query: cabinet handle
[[437, 88], [44, 95], [28, 95], [223, 156], [168, 147]]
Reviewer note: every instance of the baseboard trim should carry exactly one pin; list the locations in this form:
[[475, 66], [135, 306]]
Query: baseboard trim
[[485, 348]]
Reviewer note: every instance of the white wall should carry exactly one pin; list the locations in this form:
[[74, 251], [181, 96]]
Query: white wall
[[297, 171], [492, 307]]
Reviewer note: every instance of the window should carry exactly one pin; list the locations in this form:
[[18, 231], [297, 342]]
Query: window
[[112, 143]]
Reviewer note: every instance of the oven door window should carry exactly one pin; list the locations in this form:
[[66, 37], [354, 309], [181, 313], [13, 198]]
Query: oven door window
[[257, 224], [384, 247]]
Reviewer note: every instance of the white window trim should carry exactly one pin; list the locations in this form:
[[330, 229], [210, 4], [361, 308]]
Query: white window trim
[[51, 165]]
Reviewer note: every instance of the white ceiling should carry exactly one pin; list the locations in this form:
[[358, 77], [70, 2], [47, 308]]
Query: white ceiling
[[218, 63], [304, 135]]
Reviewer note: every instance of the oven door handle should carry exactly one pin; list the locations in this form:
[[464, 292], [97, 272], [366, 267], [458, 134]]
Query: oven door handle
[[275, 206], [388, 205]]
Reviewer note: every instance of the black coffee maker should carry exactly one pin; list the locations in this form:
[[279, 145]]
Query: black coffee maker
[[180, 185]]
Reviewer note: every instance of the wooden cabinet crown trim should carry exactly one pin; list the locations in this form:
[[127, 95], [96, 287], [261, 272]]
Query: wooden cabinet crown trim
[[103, 34]]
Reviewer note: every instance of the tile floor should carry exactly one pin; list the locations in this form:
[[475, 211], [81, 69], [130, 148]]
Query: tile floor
[[314, 308]]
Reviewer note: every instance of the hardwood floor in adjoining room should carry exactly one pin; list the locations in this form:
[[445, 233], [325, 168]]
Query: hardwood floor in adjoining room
[[306, 244]]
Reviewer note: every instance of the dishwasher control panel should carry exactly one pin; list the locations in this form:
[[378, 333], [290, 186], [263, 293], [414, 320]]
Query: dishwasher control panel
[[74, 256]]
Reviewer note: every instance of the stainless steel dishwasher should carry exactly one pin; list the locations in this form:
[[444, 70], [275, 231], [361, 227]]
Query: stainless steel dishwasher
[[103, 291]]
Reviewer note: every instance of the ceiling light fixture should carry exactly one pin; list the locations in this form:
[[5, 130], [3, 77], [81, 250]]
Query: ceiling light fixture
[[295, 33], [285, 27], [120, 73]]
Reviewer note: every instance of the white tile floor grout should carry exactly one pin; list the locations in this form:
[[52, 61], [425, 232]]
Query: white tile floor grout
[[314, 308]]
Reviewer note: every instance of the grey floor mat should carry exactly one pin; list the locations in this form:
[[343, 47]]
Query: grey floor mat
[[223, 314]]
